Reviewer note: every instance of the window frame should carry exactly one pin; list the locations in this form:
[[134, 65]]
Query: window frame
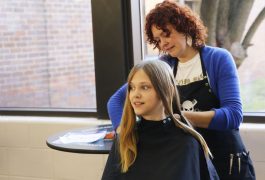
[[127, 52]]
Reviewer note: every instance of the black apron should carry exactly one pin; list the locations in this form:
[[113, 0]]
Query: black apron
[[231, 159]]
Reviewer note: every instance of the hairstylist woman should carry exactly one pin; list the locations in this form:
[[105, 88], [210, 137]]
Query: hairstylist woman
[[208, 85]]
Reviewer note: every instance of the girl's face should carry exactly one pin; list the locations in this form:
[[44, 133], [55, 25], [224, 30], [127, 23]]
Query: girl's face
[[173, 43], [144, 98]]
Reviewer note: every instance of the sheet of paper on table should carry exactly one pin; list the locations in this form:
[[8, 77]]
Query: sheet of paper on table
[[79, 137]]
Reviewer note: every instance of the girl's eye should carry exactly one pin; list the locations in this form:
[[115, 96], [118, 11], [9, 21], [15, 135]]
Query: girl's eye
[[131, 88], [145, 87]]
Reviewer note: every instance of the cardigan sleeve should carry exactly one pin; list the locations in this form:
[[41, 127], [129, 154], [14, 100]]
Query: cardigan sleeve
[[225, 84], [115, 106]]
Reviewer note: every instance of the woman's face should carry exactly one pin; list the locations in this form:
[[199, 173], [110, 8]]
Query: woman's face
[[173, 43], [144, 98]]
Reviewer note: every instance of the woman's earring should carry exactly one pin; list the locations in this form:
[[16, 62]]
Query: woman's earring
[[189, 41]]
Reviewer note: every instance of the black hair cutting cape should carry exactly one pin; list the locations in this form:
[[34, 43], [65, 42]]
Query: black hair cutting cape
[[164, 152]]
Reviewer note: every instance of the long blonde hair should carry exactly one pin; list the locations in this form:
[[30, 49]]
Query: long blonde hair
[[162, 79]]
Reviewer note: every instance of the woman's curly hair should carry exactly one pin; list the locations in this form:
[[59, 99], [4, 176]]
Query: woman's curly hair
[[182, 18]]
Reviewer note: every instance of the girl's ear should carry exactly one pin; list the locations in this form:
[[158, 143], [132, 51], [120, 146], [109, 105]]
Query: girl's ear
[[118, 130]]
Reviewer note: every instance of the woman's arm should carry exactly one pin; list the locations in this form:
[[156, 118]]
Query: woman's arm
[[199, 119], [115, 106], [224, 82], [229, 115]]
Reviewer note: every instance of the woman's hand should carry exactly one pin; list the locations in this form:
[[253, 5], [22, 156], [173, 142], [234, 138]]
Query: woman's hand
[[199, 119]]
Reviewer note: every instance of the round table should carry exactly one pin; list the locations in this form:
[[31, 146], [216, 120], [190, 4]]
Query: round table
[[59, 142]]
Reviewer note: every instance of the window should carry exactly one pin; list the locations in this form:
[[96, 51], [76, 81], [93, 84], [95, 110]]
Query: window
[[46, 55], [251, 71]]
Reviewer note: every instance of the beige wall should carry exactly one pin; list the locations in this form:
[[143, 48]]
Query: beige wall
[[24, 154]]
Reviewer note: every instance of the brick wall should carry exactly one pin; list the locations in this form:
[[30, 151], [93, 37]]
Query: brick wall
[[46, 54]]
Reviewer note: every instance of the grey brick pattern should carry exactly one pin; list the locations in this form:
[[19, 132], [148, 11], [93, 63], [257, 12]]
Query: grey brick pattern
[[46, 54]]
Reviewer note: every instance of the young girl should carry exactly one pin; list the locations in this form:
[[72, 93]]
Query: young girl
[[156, 144]]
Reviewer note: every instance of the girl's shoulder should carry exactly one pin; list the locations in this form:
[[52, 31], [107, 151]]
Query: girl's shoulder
[[187, 139]]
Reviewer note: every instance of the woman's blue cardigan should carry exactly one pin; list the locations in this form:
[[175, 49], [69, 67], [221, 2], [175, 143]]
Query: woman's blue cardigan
[[224, 82]]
